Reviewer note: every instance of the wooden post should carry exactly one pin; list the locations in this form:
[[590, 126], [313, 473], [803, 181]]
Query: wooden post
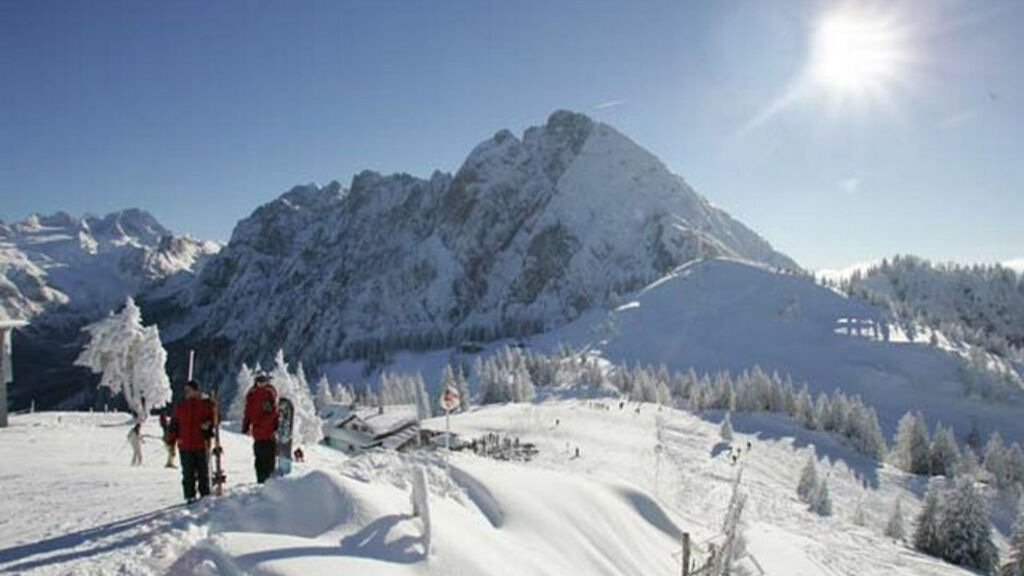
[[686, 554]]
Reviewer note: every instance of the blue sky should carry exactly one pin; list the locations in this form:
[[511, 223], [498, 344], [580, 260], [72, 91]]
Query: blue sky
[[201, 111]]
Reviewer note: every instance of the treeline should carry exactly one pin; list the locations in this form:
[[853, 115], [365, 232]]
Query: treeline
[[982, 305]]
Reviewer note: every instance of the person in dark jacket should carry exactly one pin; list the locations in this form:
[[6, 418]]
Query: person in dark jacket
[[191, 427], [260, 420]]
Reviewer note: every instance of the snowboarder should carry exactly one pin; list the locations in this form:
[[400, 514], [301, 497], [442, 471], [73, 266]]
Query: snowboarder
[[260, 420], [135, 440], [191, 427]]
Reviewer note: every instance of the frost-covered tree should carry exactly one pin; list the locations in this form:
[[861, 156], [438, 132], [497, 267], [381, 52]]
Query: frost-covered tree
[[1015, 566], [945, 455], [968, 466], [821, 502], [995, 460], [423, 409], [822, 410], [805, 409], [462, 385], [911, 449], [859, 516], [1015, 464], [243, 381], [965, 530], [894, 527], [808, 478], [343, 394], [131, 359], [324, 396], [307, 427], [927, 526], [726, 429]]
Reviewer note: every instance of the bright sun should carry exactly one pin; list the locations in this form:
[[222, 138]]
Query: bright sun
[[855, 54]]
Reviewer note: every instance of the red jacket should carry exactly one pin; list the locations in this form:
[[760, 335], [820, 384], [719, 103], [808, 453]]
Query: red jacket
[[192, 424], [260, 412]]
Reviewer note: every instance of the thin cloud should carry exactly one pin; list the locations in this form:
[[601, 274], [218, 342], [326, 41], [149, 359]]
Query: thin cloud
[[609, 104], [850, 185], [1017, 265]]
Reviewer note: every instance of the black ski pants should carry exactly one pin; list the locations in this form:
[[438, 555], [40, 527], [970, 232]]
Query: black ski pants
[[265, 452], [195, 471]]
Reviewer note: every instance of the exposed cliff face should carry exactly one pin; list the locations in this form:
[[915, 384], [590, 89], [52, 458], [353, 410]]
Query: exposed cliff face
[[528, 234]]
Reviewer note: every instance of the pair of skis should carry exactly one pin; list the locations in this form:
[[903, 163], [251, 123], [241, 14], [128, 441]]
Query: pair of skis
[[217, 476]]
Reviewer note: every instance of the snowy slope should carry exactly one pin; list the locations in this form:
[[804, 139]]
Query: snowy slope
[[730, 315], [75, 507], [528, 234]]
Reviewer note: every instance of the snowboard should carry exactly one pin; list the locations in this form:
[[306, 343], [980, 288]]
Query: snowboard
[[283, 436]]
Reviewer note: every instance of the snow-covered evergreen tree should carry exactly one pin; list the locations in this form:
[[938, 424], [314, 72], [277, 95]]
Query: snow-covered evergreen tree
[[995, 460], [462, 385], [911, 449], [131, 359], [821, 502], [725, 431], [343, 394], [805, 409], [1015, 463], [927, 527], [859, 515], [243, 381], [307, 427], [808, 478], [945, 456], [965, 530], [1015, 565], [423, 405], [968, 466], [324, 396], [894, 527]]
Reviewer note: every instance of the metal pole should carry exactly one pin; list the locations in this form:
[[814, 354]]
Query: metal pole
[[447, 430], [191, 363], [686, 554], [4, 335]]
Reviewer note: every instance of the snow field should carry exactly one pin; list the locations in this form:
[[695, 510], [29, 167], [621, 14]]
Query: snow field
[[76, 507]]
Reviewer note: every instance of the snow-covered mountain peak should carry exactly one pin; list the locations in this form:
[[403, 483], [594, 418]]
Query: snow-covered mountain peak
[[89, 263], [527, 234]]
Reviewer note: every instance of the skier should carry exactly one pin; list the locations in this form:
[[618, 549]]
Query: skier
[[299, 455], [191, 427], [135, 440], [260, 421], [165, 425]]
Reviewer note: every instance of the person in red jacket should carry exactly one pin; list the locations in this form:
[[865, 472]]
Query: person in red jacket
[[260, 420], [191, 427]]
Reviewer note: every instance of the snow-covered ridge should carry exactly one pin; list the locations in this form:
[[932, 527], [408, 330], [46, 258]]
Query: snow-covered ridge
[[528, 234], [88, 264]]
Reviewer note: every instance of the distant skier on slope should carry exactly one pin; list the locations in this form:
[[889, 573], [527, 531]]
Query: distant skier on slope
[[135, 440], [260, 420], [191, 427]]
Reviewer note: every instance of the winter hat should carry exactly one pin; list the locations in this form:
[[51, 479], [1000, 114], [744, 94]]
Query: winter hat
[[262, 377], [192, 384]]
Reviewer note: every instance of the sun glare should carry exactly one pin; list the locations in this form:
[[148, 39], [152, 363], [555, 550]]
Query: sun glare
[[856, 53]]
